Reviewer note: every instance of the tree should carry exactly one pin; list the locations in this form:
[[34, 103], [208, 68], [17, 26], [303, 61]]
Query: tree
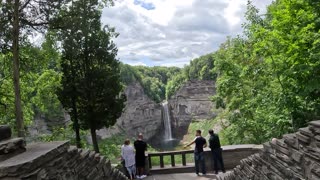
[[91, 74], [28, 15], [268, 79]]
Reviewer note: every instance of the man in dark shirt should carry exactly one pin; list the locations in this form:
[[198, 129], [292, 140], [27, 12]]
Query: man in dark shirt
[[198, 152], [141, 148], [214, 144]]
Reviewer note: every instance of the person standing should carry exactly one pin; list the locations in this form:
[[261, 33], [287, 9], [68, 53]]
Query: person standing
[[214, 144], [127, 154], [141, 148], [198, 152]]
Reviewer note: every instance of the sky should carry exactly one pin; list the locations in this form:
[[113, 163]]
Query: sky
[[173, 32]]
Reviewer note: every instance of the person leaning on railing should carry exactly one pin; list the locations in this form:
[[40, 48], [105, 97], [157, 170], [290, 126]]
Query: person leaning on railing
[[198, 152]]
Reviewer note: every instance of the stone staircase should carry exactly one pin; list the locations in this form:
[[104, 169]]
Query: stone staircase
[[294, 157], [53, 160]]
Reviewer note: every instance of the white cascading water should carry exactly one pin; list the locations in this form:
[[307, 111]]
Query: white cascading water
[[167, 121]]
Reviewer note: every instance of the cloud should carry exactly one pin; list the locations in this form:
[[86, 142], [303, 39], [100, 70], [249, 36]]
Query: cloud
[[172, 32]]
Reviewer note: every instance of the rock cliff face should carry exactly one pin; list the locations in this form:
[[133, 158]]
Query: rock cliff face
[[191, 102], [43, 124], [141, 114]]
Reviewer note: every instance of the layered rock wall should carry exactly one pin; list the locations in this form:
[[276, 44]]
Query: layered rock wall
[[295, 156], [191, 102], [141, 115]]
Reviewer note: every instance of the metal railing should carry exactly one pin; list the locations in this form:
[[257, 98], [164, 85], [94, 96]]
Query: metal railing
[[172, 155]]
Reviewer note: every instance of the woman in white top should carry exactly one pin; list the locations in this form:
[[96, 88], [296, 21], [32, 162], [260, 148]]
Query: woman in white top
[[128, 155]]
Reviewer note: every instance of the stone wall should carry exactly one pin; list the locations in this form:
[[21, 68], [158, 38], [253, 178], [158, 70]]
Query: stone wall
[[57, 160], [295, 156], [141, 115], [191, 102]]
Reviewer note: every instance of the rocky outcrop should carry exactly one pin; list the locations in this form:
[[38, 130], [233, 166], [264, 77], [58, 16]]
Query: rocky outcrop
[[295, 156], [57, 160], [44, 124], [141, 115], [191, 102]]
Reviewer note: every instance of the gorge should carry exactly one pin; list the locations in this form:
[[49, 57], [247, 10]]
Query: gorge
[[163, 124]]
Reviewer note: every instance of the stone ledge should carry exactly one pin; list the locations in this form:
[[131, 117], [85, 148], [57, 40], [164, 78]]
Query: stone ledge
[[36, 155], [12, 145], [315, 123]]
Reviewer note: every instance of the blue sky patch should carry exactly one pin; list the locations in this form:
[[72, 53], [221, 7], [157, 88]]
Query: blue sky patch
[[145, 5]]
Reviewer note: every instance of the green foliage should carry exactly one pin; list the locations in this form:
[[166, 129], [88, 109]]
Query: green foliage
[[199, 69], [268, 80], [111, 147], [63, 134], [91, 75], [161, 83], [153, 79], [174, 84], [40, 77]]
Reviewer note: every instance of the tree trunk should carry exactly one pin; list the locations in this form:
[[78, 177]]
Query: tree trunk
[[76, 123], [16, 75], [94, 139]]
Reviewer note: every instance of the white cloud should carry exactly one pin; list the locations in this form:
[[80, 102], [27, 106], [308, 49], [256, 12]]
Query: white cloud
[[173, 32], [136, 63]]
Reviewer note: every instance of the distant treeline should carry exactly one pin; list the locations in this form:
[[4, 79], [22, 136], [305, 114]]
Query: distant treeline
[[160, 82]]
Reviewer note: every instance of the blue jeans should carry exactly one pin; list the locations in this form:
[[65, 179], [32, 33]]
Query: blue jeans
[[132, 170], [199, 159]]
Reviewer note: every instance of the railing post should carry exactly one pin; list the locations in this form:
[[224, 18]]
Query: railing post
[[184, 159], [161, 161], [173, 162], [149, 159]]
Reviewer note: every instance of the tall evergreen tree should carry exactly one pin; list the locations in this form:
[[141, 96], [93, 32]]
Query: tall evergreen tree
[[91, 81]]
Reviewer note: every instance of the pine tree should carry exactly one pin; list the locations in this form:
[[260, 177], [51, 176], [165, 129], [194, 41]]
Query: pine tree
[[91, 82]]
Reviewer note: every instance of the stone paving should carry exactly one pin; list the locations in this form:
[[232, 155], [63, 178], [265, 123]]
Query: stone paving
[[182, 176]]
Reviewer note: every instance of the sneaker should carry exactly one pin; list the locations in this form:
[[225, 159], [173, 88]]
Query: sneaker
[[138, 177], [143, 176], [197, 174]]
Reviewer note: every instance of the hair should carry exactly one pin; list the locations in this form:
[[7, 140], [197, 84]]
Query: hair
[[127, 142], [211, 131], [198, 131]]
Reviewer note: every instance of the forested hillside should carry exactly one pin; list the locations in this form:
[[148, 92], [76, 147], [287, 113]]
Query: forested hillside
[[269, 77], [161, 82]]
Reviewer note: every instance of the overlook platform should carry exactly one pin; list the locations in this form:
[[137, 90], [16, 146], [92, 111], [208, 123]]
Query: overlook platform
[[232, 155], [182, 176]]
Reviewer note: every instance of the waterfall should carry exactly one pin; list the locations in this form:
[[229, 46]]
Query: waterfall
[[167, 121]]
